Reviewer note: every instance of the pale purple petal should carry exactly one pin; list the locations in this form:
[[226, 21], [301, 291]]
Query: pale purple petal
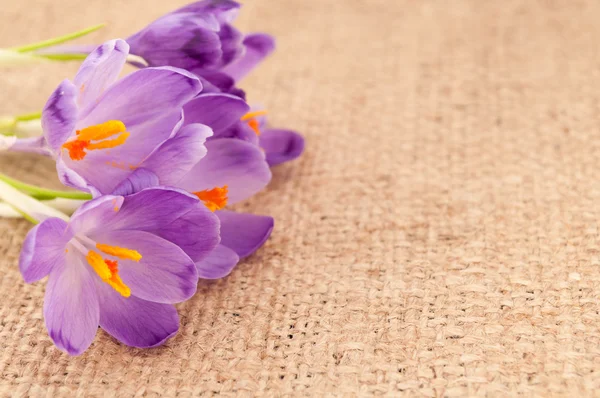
[[258, 46], [281, 145], [142, 96], [136, 322], [31, 145], [218, 263], [175, 157], [244, 233], [138, 180], [218, 111], [196, 232], [59, 115], [43, 248], [153, 208], [239, 165], [96, 214], [71, 307], [100, 70], [165, 274]]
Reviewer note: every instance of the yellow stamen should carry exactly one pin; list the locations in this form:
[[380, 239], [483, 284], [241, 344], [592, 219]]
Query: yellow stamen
[[214, 199], [120, 252], [253, 124], [252, 115], [101, 133], [98, 264], [108, 271]]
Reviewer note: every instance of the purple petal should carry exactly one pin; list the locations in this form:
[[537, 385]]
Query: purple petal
[[60, 115], [219, 7], [176, 156], [138, 180], [165, 274], [241, 131], [31, 145], [153, 208], [258, 46], [196, 232], [136, 322], [231, 44], [43, 248], [281, 145], [239, 165], [96, 214], [184, 40], [143, 95], [71, 305], [244, 233], [100, 70], [218, 264], [218, 111]]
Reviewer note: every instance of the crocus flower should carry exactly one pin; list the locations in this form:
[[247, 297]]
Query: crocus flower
[[231, 117], [101, 128], [200, 38], [120, 262]]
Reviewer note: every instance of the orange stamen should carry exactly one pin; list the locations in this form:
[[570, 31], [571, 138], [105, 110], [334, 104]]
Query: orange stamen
[[214, 199], [250, 119], [100, 133]]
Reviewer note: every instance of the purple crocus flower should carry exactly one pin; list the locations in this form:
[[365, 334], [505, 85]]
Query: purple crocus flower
[[121, 262], [101, 129], [200, 38], [231, 117]]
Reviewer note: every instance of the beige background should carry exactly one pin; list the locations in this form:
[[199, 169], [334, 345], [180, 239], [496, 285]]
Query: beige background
[[439, 238]]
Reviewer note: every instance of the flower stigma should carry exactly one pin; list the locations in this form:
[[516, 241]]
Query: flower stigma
[[214, 199]]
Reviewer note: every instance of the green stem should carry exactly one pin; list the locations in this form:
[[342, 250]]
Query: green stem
[[42, 193], [28, 116], [58, 40]]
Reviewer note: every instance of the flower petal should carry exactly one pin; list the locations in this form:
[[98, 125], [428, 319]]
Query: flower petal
[[140, 179], [181, 39], [59, 115], [136, 322], [151, 209], [142, 96], [165, 274], [196, 232], [218, 263], [43, 248], [281, 145], [96, 214], [71, 307], [258, 46], [239, 165], [99, 70], [218, 111], [244, 233], [176, 156]]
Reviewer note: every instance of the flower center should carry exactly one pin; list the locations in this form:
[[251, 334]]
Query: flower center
[[96, 137], [214, 199], [108, 270], [250, 119]]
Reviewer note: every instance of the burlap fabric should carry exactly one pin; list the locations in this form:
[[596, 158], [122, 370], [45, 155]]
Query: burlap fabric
[[439, 237]]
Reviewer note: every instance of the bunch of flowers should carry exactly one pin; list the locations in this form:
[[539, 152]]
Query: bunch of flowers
[[156, 157]]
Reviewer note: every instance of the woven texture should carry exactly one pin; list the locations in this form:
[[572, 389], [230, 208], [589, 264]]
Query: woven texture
[[438, 238]]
